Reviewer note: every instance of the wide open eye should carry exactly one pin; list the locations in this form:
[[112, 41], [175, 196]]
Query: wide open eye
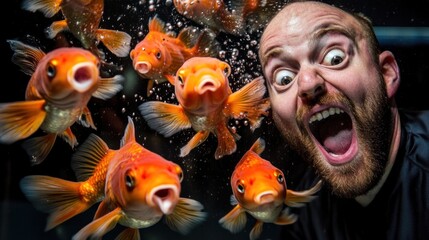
[[51, 70], [180, 79], [158, 55], [240, 188], [283, 77], [334, 57], [226, 70], [280, 178], [180, 174], [130, 182]]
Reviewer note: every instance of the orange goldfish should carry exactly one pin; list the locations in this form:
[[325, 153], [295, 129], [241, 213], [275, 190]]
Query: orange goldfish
[[161, 53], [136, 188], [62, 82], [82, 19], [234, 18], [206, 103], [259, 189]]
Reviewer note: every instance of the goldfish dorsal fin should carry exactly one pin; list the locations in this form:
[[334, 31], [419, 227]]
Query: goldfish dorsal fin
[[165, 118], [235, 220], [48, 7], [206, 45], [109, 87], [87, 157], [25, 56], [187, 214], [156, 25], [129, 135], [38, 148], [297, 199], [196, 140], [118, 42], [99, 227], [60, 198], [256, 231], [18, 120], [189, 36], [248, 101], [286, 218], [259, 146]]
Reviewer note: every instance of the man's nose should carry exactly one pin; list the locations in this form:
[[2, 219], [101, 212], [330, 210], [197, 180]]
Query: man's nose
[[310, 85]]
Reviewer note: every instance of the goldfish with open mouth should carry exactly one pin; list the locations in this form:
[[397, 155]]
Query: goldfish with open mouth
[[158, 56], [259, 189], [61, 85], [82, 18], [207, 103], [136, 188]]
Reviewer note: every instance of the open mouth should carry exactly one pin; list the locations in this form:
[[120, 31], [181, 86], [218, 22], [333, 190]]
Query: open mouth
[[332, 128]]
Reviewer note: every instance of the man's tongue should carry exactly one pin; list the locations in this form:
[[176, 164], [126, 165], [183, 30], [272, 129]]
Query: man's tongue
[[336, 135]]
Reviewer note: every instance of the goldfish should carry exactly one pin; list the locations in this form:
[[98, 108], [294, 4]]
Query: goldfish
[[135, 188], [206, 103], [236, 18], [159, 55], [62, 83], [259, 189], [82, 18]]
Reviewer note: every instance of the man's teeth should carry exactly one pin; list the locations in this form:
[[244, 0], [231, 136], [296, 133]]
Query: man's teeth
[[324, 114]]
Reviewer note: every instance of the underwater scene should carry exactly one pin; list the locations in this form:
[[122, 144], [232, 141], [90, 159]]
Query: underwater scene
[[103, 116]]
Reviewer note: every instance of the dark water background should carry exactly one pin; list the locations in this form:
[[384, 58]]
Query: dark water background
[[206, 179]]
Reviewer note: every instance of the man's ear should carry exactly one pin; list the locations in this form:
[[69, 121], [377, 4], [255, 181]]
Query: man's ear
[[390, 72]]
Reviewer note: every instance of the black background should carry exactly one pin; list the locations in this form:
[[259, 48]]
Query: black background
[[206, 179]]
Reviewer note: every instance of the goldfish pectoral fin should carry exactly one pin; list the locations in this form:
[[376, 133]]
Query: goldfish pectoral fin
[[225, 142], [86, 120], [286, 218], [60, 198], [99, 227], [235, 220], [117, 42], [149, 87], [25, 56], [87, 157], [19, 120], [256, 231], [38, 148], [297, 199], [186, 215], [196, 140], [69, 137], [167, 119], [109, 87], [129, 234], [170, 78], [248, 103], [55, 28], [103, 209], [48, 8]]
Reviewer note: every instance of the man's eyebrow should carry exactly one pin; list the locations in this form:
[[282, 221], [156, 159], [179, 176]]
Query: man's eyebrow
[[273, 52], [326, 28]]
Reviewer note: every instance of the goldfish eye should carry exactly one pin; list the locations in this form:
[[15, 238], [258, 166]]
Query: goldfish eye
[[227, 70], [240, 188], [51, 70], [280, 178], [130, 182], [180, 175], [158, 55], [180, 79]]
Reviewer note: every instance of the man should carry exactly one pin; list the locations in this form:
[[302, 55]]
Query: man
[[332, 96]]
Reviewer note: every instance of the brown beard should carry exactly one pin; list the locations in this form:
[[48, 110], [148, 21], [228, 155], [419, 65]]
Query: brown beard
[[373, 123]]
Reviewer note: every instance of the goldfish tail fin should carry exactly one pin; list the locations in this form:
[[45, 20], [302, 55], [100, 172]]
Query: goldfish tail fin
[[19, 120], [207, 45], [99, 227], [117, 42], [38, 148], [55, 28], [286, 218], [60, 198], [225, 141], [248, 103], [259, 146], [109, 87], [87, 157], [196, 140], [235, 220], [256, 231], [129, 234], [129, 135], [48, 7], [25, 56], [297, 199], [186, 215], [167, 119]]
